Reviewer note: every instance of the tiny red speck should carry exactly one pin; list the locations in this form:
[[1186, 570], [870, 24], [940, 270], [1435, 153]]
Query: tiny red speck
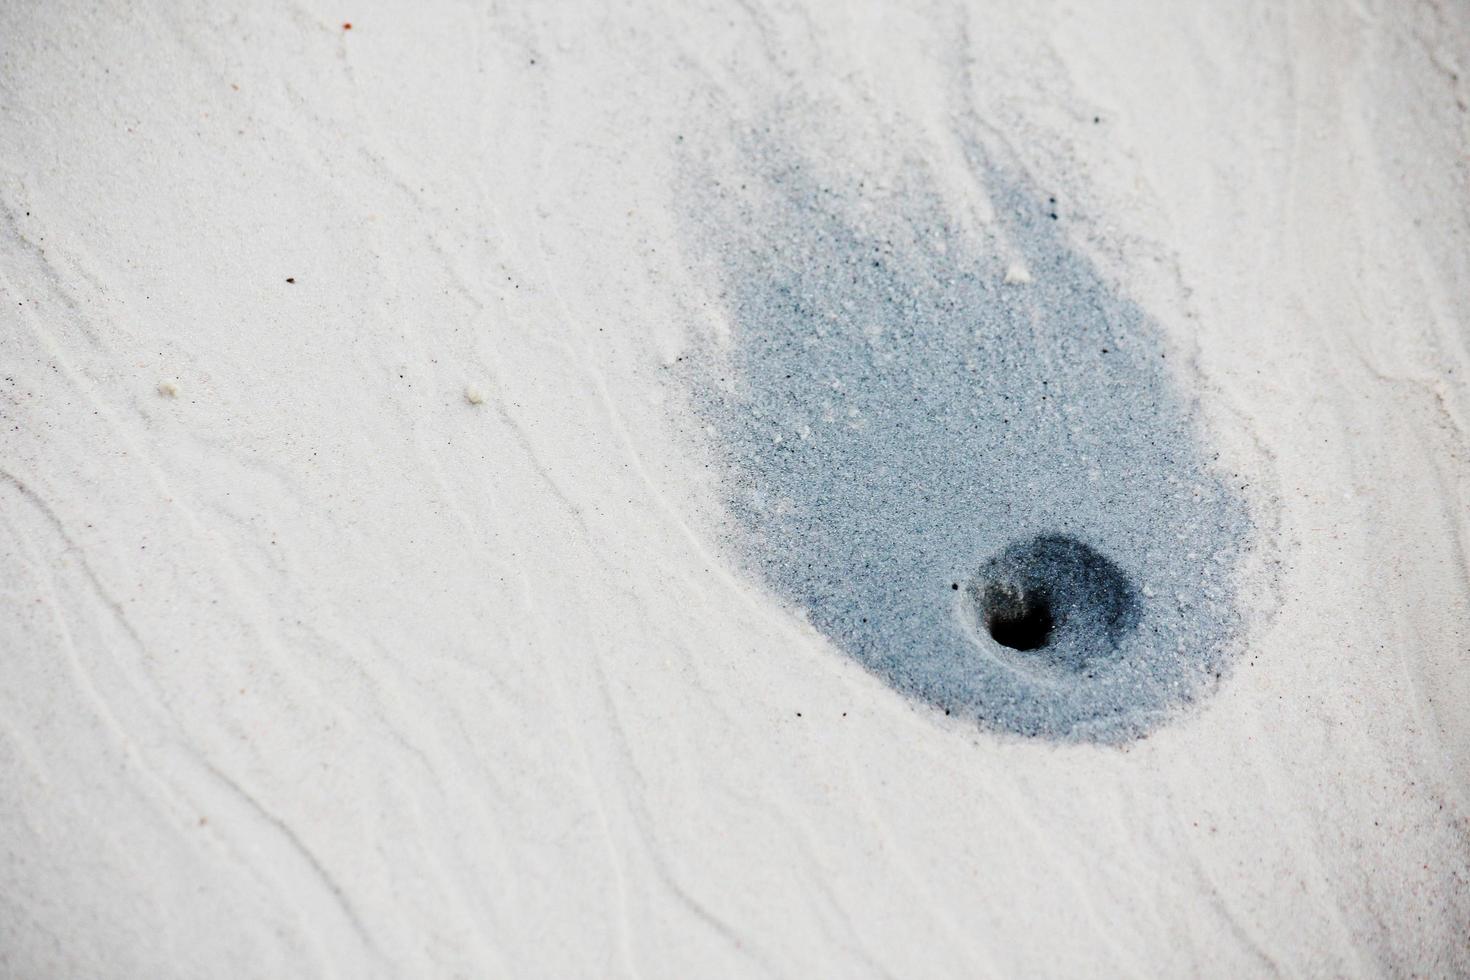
[[347, 26]]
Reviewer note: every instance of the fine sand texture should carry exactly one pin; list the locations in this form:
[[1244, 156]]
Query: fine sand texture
[[765, 489]]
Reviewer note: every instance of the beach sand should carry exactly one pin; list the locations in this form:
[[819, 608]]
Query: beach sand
[[402, 578]]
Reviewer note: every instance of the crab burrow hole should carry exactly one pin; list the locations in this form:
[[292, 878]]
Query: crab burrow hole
[[1056, 600]]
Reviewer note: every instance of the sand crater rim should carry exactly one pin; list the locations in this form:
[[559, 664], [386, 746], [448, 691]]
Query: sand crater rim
[[1056, 600]]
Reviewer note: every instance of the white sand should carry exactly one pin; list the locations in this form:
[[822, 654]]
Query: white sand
[[373, 623]]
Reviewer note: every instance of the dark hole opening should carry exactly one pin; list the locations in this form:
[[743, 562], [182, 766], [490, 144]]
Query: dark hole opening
[[1019, 621]]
